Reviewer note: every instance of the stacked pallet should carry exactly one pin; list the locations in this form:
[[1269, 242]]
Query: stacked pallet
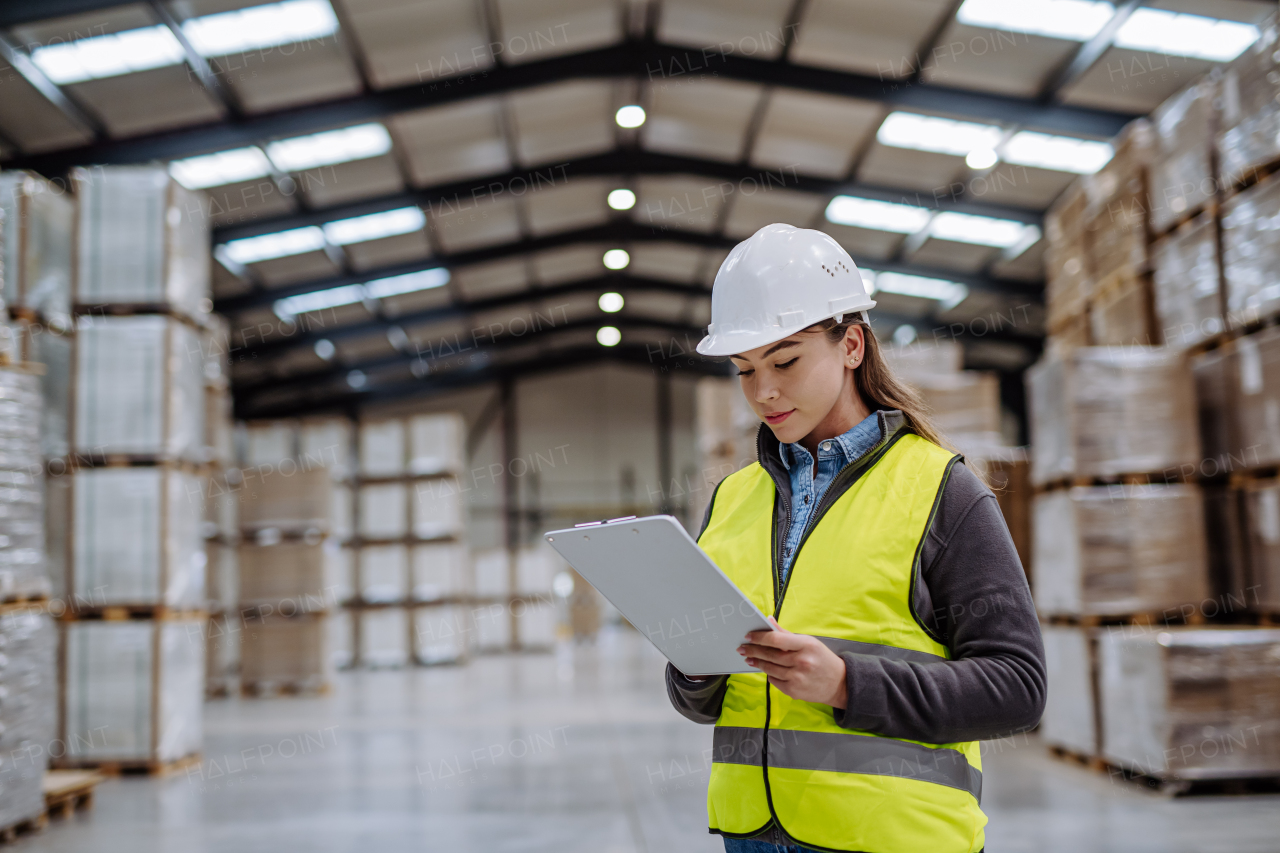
[[726, 431], [132, 668], [221, 522], [287, 535], [413, 587], [28, 675], [1156, 465]]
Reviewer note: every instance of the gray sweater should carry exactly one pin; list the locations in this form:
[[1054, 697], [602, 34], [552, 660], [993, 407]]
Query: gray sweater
[[973, 598]]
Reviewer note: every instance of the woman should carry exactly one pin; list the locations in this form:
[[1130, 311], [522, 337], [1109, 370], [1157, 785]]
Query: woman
[[905, 629]]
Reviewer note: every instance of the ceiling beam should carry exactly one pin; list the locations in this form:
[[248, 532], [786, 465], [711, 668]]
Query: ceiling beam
[[1088, 54], [633, 58], [198, 64], [623, 165], [71, 111], [310, 331], [622, 232], [569, 357], [15, 12], [332, 381]]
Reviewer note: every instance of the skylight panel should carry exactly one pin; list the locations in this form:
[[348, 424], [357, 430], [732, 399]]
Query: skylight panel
[[329, 147], [979, 230], [1193, 36], [108, 56], [877, 215], [281, 244], [291, 306], [949, 293], [1063, 153], [260, 27], [224, 167], [408, 283], [1077, 20], [374, 226], [941, 135]]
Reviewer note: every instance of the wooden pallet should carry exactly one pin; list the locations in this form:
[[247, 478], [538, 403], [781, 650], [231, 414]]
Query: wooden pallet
[[1209, 206], [1252, 176], [277, 689], [1170, 785], [1172, 476], [30, 826], [1172, 616], [66, 791], [128, 612], [142, 767]]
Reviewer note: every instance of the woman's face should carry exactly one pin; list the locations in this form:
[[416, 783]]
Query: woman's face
[[794, 384]]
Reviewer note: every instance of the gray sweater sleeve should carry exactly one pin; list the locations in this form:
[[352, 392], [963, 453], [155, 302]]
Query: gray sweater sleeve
[[973, 597], [975, 600]]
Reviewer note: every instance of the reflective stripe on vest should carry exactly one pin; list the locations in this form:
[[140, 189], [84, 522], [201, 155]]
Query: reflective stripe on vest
[[845, 752], [785, 761]]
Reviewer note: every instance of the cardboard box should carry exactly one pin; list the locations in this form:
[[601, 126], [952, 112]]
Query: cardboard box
[[1186, 284], [291, 499], [291, 651], [1250, 123], [1182, 178], [29, 712], [35, 244], [285, 578], [1251, 253], [1261, 588]]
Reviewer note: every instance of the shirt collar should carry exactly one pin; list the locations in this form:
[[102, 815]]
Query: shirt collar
[[847, 446]]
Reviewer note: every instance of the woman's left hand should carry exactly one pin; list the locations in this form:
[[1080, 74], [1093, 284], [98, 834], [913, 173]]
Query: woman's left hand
[[797, 664]]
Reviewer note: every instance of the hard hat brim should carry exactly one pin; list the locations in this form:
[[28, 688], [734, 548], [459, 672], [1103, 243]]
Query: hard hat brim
[[719, 344]]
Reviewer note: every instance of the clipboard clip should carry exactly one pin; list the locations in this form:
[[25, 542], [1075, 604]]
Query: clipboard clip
[[607, 521]]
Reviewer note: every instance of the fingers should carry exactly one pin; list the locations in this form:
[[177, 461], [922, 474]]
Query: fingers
[[779, 639], [776, 672], [764, 652]]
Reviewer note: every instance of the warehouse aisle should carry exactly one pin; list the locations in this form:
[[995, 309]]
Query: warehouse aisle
[[539, 753]]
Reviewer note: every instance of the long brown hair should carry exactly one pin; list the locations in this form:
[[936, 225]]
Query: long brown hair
[[876, 383]]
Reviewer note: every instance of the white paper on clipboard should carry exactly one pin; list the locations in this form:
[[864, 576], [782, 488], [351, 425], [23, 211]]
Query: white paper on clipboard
[[653, 571]]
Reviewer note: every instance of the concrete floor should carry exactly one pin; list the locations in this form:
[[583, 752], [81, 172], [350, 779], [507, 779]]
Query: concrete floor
[[575, 752]]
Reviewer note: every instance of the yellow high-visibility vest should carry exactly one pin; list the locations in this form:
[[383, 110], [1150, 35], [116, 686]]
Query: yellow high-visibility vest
[[784, 760]]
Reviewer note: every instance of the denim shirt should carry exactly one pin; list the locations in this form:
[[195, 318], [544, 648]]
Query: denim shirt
[[806, 489]]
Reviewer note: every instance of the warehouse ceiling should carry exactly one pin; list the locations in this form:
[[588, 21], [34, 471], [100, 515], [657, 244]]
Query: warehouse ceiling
[[410, 196]]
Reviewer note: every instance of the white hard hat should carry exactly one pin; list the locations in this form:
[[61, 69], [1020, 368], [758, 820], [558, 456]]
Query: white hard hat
[[778, 281]]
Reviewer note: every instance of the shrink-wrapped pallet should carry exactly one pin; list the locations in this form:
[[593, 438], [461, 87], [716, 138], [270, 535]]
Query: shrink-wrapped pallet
[[339, 573], [925, 358], [964, 403], [1121, 313], [440, 570], [438, 510], [1250, 118], [1116, 212], [222, 577], [1068, 284], [382, 448], [536, 569], [726, 433], [538, 621], [384, 637], [1182, 178], [1217, 380], [28, 713], [441, 633], [136, 537], [137, 388], [492, 573], [53, 352], [1068, 720], [340, 632], [285, 578], [133, 689], [1257, 401], [23, 571], [1261, 587], [219, 447], [285, 651], [1191, 703], [326, 443], [288, 498], [383, 510], [142, 238], [1251, 253], [384, 573], [1117, 550], [222, 654], [1186, 284], [270, 444], [222, 504], [1106, 411], [437, 444], [35, 244]]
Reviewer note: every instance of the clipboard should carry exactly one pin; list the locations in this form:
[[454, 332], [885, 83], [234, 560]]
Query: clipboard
[[653, 571]]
